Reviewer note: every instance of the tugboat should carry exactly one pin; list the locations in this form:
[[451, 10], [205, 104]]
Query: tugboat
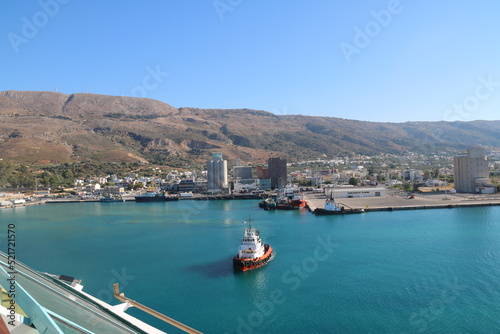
[[297, 202], [270, 204], [334, 208], [252, 253], [283, 203]]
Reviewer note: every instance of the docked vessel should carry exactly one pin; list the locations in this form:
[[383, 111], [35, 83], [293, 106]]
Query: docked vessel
[[291, 199], [298, 202], [334, 208], [268, 204], [285, 206], [111, 199], [155, 196], [252, 253]]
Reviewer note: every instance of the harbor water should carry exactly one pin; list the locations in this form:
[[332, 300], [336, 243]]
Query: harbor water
[[425, 271]]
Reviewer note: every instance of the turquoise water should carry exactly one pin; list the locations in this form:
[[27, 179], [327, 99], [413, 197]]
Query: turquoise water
[[426, 271]]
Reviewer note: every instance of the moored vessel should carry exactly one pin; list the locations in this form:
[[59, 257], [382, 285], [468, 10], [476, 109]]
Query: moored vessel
[[298, 202], [269, 204], [252, 252], [155, 196], [111, 199], [285, 206], [334, 208]]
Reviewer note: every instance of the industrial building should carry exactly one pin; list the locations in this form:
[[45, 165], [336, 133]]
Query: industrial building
[[472, 173], [217, 174], [277, 172], [348, 192], [242, 172]]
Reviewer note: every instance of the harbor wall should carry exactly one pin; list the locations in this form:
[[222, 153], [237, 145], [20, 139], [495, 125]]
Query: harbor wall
[[401, 202]]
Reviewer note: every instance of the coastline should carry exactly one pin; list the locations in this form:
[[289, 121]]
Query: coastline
[[395, 201], [129, 199]]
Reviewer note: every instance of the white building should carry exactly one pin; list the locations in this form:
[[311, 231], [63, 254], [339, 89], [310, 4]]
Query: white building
[[79, 182], [94, 187], [435, 183], [113, 191], [246, 185], [347, 174], [413, 175], [347, 192]]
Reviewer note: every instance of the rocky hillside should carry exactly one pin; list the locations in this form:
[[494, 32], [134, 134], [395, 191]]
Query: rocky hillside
[[46, 127]]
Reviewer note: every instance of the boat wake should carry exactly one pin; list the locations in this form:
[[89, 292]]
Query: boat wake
[[217, 269]]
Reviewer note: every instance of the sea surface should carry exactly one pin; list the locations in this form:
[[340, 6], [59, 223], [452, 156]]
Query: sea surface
[[424, 271]]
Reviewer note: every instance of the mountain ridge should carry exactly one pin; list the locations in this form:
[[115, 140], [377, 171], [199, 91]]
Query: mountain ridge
[[49, 127]]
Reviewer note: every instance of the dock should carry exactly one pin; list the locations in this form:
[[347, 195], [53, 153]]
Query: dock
[[397, 201], [9, 206]]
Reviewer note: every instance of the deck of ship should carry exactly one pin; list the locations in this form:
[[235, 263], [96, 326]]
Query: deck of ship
[[54, 307]]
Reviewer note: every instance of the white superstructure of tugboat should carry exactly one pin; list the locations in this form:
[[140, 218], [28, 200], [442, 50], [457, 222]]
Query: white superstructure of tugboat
[[252, 252]]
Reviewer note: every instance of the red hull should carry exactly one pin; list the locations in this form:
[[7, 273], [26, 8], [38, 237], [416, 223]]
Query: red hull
[[298, 203], [248, 264]]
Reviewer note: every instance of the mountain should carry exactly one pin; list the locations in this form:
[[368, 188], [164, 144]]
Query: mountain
[[48, 127]]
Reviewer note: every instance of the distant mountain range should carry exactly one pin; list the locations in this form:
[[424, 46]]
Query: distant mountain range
[[48, 127]]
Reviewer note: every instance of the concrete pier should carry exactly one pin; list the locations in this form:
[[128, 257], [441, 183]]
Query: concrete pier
[[397, 201], [21, 205]]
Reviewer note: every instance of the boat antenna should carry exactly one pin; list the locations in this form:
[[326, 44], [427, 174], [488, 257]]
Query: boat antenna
[[249, 221]]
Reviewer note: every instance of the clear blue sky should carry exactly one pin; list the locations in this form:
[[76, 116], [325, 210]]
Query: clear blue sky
[[394, 61]]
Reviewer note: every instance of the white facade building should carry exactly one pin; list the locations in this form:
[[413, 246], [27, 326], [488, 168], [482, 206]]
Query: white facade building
[[246, 185], [113, 191], [347, 192], [435, 183], [91, 188]]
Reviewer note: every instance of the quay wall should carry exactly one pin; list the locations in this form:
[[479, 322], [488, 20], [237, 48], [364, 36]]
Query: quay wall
[[421, 207], [398, 202], [21, 205]]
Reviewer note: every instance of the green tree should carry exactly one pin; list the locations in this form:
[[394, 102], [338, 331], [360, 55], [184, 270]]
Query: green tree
[[370, 170], [45, 178], [56, 180], [6, 170], [22, 178], [305, 183], [69, 177], [435, 173], [138, 186], [353, 181], [23, 169], [407, 187]]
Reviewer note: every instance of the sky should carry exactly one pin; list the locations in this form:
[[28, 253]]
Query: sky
[[381, 61]]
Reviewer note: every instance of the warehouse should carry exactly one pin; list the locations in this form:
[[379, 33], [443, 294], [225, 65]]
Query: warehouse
[[348, 192]]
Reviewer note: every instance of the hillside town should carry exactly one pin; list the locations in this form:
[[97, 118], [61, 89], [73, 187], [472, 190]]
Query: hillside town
[[410, 172]]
